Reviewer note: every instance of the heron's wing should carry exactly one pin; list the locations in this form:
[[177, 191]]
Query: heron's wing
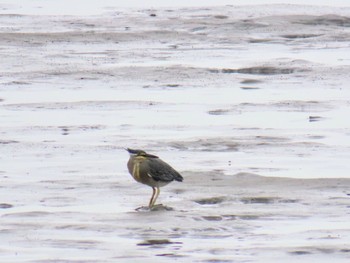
[[161, 171]]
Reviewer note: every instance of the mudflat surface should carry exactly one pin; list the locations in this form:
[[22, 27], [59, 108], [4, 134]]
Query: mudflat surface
[[249, 103]]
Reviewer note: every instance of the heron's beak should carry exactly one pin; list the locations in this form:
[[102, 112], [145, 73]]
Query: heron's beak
[[131, 151]]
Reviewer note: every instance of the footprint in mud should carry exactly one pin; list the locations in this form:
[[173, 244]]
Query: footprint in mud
[[159, 207]]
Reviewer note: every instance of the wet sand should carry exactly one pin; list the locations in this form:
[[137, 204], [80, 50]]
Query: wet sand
[[249, 103]]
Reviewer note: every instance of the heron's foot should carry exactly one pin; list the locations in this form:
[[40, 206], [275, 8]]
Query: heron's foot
[[158, 207], [161, 207], [143, 209]]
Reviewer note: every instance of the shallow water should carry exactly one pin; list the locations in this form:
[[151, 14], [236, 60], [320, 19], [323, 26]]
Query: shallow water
[[249, 104]]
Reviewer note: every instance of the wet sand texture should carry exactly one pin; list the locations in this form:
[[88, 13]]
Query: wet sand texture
[[250, 104]]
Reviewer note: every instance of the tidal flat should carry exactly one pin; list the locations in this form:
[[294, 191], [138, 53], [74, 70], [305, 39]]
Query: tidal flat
[[249, 103]]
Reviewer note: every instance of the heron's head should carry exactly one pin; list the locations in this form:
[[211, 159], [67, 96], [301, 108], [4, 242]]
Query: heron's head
[[142, 153]]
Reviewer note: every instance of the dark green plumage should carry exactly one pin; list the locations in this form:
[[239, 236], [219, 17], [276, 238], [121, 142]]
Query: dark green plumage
[[161, 171]]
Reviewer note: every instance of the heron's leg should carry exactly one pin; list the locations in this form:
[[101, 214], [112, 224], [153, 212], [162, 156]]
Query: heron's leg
[[151, 201], [155, 195]]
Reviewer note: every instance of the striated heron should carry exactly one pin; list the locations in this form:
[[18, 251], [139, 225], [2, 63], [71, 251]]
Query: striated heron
[[150, 170]]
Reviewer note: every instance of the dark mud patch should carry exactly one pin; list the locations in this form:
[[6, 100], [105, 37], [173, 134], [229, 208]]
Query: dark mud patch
[[231, 217], [65, 131], [261, 70], [171, 255], [218, 112], [316, 137], [315, 118], [260, 40], [210, 201], [326, 20], [221, 17], [250, 81], [72, 227], [172, 85], [249, 88], [271, 138], [16, 82], [212, 218], [258, 200], [301, 36], [312, 250], [157, 242], [5, 206], [8, 141], [266, 200], [300, 252], [248, 217]]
